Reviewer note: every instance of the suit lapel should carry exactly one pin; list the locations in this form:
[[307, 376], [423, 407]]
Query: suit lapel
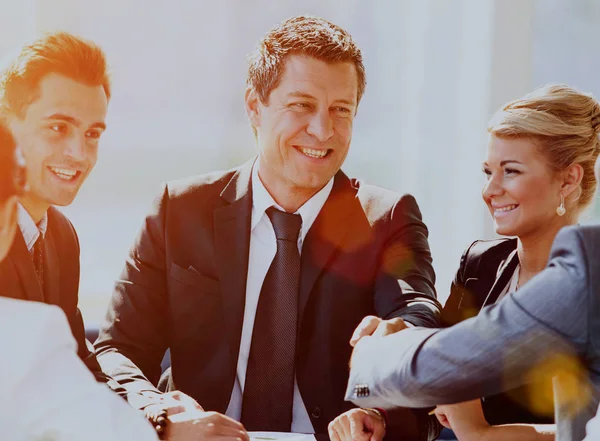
[[505, 272], [232, 248], [21, 259], [51, 270], [326, 235]]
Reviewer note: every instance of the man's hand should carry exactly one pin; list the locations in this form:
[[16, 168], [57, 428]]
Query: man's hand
[[377, 327], [206, 426], [173, 402], [465, 419], [357, 425]]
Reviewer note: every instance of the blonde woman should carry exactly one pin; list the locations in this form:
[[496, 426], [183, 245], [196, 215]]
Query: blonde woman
[[539, 178]]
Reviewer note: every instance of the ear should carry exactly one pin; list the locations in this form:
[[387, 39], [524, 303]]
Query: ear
[[571, 180], [253, 107]]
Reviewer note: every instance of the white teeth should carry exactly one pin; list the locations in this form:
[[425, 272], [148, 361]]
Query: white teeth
[[504, 209], [314, 153], [64, 173]]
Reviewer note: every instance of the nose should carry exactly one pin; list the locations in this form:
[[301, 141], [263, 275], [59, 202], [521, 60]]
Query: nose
[[321, 126], [493, 187], [75, 148]]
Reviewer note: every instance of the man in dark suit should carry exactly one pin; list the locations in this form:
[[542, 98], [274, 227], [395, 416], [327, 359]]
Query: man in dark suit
[[47, 392], [54, 97], [548, 329], [255, 278]]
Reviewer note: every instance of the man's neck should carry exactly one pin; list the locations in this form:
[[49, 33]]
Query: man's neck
[[288, 198], [36, 209]]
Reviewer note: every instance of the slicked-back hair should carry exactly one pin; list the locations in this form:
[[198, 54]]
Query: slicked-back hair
[[61, 53], [564, 123]]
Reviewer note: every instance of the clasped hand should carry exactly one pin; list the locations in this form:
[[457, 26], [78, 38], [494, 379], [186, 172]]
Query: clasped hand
[[188, 421]]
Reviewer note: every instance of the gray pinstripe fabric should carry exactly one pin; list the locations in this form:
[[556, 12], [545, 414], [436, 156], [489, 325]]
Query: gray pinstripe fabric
[[555, 316]]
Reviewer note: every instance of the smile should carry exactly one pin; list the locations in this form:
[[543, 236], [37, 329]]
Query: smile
[[66, 174], [314, 153], [505, 209]]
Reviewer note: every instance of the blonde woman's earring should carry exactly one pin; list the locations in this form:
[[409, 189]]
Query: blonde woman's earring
[[561, 210]]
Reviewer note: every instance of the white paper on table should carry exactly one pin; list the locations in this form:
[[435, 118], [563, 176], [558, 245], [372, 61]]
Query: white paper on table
[[280, 436]]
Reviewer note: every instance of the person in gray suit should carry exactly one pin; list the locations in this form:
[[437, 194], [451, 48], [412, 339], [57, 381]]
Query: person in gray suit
[[539, 178], [549, 327]]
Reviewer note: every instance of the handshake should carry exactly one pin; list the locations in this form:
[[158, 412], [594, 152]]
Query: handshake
[[365, 424], [376, 327], [182, 418]]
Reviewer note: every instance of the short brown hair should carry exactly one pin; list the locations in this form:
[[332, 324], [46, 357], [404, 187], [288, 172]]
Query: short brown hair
[[60, 53], [302, 35], [565, 124]]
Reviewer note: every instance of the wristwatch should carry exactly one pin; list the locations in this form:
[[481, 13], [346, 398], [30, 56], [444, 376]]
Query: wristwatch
[[158, 419]]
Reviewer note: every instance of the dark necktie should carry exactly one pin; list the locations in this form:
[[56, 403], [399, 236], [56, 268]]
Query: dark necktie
[[38, 259], [269, 387]]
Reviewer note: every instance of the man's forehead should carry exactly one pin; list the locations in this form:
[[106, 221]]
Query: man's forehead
[[301, 74], [58, 94], [301, 65]]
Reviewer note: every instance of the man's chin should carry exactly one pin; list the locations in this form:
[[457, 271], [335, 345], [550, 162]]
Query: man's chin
[[63, 200]]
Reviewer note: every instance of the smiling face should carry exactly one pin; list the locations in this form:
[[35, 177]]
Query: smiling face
[[59, 134], [305, 129], [521, 192]]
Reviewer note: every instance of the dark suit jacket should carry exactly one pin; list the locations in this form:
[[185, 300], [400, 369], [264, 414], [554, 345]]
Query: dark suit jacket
[[366, 253], [551, 325], [486, 267], [19, 280]]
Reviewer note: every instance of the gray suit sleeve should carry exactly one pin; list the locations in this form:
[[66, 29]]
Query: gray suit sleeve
[[487, 354]]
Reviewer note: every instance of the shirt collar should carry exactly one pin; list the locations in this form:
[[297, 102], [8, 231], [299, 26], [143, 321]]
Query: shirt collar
[[29, 229], [262, 200]]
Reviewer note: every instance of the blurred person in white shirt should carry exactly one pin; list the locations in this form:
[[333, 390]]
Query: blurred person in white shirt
[[47, 391]]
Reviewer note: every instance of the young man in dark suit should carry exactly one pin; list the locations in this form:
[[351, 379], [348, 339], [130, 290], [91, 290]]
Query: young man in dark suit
[[256, 277], [47, 392], [54, 97]]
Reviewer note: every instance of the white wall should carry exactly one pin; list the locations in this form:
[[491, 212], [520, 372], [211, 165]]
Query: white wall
[[436, 70]]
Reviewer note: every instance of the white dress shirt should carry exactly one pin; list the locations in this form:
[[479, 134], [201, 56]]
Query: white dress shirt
[[29, 229], [263, 247], [47, 392], [592, 428]]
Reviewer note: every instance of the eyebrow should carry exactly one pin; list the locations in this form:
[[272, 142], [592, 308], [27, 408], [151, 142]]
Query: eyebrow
[[508, 161], [310, 97], [74, 121]]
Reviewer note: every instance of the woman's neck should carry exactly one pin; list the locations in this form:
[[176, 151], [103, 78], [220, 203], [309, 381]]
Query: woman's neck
[[534, 250]]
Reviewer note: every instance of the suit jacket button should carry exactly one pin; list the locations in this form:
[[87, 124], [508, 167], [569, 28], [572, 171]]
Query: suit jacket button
[[316, 413]]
